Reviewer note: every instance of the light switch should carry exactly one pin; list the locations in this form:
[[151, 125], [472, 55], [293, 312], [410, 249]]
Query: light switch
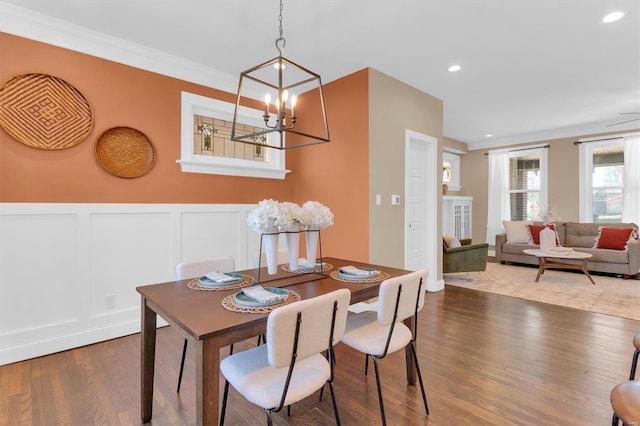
[[378, 199], [395, 200]]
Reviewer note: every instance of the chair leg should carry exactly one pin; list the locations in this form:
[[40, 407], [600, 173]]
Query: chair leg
[[415, 360], [375, 366], [225, 394], [335, 404], [366, 364], [184, 354], [615, 421], [269, 421], [634, 364]]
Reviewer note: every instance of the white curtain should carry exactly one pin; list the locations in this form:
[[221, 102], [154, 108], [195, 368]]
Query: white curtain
[[498, 196], [631, 191]]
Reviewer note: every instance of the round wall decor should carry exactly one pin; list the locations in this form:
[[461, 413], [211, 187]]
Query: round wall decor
[[125, 152], [44, 112]]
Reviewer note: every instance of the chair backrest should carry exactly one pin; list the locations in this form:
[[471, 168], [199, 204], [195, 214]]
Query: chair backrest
[[315, 327], [197, 268], [282, 257], [413, 289]]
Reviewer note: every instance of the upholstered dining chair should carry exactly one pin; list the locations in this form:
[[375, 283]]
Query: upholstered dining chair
[[291, 366], [377, 334], [261, 258], [634, 359], [198, 268], [625, 401]]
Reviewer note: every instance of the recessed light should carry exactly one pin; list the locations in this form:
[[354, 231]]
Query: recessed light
[[455, 68], [612, 17], [488, 135]]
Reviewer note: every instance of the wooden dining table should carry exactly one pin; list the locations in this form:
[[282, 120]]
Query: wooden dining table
[[201, 318]]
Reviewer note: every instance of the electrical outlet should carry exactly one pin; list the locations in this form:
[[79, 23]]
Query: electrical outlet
[[110, 301], [378, 199]]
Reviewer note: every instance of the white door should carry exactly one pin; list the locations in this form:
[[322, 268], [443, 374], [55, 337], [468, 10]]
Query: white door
[[421, 215]]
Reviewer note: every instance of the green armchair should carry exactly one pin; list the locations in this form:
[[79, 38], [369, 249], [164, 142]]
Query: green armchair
[[466, 258]]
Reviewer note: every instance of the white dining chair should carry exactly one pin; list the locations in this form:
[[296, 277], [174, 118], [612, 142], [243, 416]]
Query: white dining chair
[[377, 334], [261, 258], [291, 366], [198, 268]]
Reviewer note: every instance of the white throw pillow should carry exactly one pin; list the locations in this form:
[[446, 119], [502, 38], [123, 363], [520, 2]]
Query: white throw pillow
[[451, 241], [517, 231]]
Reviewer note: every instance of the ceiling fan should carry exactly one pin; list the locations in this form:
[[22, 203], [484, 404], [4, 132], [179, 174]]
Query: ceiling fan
[[626, 121]]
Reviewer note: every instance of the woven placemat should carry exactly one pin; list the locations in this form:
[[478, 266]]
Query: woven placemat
[[44, 112], [325, 267], [380, 277], [125, 152], [230, 304], [247, 281]]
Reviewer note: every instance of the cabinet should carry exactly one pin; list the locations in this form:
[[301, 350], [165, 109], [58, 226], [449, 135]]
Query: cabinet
[[457, 216]]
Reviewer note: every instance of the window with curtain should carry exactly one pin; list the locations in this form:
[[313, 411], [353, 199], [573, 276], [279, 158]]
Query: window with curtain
[[517, 187]]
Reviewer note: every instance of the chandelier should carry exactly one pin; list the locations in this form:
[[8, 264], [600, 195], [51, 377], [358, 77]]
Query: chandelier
[[293, 89]]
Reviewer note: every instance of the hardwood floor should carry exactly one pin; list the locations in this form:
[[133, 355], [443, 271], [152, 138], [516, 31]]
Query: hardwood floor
[[486, 360]]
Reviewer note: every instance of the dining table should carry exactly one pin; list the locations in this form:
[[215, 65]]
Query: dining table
[[202, 318]]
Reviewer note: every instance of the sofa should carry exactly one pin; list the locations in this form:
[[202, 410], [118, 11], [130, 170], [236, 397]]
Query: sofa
[[581, 237], [467, 257]]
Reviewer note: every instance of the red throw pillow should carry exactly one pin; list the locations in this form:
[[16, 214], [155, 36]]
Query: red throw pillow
[[534, 231], [613, 238]]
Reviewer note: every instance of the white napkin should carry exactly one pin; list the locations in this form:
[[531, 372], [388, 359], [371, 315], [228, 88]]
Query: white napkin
[[219, 277], [263, 295], [352, 270]]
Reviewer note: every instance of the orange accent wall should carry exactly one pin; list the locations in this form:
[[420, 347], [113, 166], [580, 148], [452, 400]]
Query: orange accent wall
[[337, 173], [119, 95]]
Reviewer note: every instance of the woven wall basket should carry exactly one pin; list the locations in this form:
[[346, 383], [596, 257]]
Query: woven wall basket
[[44, 112], [125, 152]]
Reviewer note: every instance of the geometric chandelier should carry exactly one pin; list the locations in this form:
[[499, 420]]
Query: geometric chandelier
[[293, 103]]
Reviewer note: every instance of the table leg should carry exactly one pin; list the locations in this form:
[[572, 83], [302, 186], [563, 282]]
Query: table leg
[[207, 381], [586, 271], [408, 357], [147, 359], [541, 265]]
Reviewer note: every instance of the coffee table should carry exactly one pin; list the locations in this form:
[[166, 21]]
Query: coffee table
[[548, 260]]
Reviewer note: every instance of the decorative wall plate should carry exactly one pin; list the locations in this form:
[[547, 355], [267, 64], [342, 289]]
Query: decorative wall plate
[[44, 112], [125, 152]]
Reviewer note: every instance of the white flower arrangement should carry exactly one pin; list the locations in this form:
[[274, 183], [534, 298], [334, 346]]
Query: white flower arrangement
[[315, 215], [265, 217], [274, 216]]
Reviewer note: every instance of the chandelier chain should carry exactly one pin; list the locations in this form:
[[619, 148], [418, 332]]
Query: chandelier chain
[[280, 39]]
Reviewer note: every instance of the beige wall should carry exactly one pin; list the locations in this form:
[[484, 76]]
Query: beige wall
[[563, 181], [395, 107]]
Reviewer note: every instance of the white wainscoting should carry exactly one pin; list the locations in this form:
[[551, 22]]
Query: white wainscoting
[[69, 272]]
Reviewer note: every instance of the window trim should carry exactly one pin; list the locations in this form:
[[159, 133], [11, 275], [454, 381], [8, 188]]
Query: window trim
[[191, 105]]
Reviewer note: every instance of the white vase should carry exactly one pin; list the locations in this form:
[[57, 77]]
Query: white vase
[[311, 240], [270, 242], [293, 245], [547, 238]]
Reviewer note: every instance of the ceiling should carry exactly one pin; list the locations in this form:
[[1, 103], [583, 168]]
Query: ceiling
[[532, 70]]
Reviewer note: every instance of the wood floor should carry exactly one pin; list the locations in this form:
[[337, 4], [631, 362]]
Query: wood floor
[[486, 360]]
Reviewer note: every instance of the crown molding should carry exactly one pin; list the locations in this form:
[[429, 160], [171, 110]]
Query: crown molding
[[35, 26]]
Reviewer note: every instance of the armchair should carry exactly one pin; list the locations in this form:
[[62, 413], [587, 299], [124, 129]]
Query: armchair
[[466, 258]]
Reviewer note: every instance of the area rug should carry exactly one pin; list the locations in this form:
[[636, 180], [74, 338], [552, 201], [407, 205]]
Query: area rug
[[610, 296]]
